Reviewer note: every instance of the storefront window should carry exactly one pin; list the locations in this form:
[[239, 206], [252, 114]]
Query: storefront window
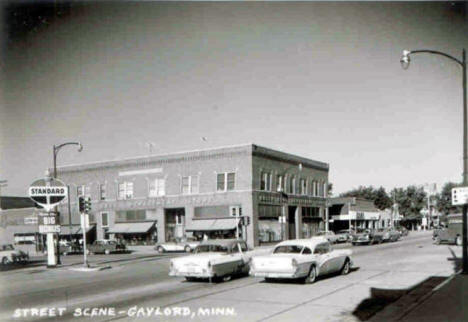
[[269, 227]]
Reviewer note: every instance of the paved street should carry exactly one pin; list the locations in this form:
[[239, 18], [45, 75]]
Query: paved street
[[130, 287]]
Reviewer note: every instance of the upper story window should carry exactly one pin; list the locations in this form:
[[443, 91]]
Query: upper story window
[[80, 191], [303, 187], [157, 187], [226, 181], [266, 181], [279, 183], [293, 185], [126, 190], [314, 188], [325, 189], [102, 192], [104, 219], [189, 185]]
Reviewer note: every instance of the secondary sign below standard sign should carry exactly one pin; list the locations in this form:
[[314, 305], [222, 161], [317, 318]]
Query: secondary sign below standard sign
[[46, 229]]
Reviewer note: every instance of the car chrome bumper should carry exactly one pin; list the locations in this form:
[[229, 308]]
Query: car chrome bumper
[[192, 274]]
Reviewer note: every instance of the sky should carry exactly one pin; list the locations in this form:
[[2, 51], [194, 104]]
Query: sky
[[319, 80]]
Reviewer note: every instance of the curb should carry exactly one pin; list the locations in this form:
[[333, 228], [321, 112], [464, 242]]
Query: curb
[[394, 311]]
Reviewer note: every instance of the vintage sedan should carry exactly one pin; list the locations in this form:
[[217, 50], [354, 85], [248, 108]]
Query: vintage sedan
[[390, 235], [301, 259], [215, 260], [106, 246], [343, 236], [329, 235], [178, 245], [367, 237], [8, 255]]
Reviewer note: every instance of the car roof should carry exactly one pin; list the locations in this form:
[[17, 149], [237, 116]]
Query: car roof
[[221, 242], [309, 242]]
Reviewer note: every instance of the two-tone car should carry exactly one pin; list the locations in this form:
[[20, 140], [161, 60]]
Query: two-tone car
[[367, 237], [301, 259], [178, 245], [329, 235], [9, 255], [215, 260], [106, 246]]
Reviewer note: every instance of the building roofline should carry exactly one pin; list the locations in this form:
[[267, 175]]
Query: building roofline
[[247, 147]]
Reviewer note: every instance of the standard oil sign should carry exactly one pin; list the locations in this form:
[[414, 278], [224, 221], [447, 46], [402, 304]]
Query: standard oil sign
[[48, 193]]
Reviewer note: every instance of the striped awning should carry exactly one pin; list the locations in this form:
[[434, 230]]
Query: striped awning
[[212, 224], [131, 227]]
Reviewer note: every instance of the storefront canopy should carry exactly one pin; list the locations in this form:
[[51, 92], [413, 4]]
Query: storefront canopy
[[132, 228], [75, 230], [212, 224]]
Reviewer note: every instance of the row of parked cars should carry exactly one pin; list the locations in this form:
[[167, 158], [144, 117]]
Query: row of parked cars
[[299, 259], [10, 255], [365, 236]]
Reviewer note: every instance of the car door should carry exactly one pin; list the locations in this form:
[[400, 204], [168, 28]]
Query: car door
[[237, 260], [322, 258], [336, 261]]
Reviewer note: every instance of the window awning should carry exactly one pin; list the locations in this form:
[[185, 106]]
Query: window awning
[[212, 224], [75, 229], [131, 227]]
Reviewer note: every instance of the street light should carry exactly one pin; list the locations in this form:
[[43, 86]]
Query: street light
[[405, 61], [56, 149]]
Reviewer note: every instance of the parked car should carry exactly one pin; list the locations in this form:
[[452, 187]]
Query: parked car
[[65, 247], [389, 235], [301, 259], [453, 233], [403, 231], [9, 254], [343, 236], [106, 246], [213, 259], [367, 237], [329, 235], [180, 244]]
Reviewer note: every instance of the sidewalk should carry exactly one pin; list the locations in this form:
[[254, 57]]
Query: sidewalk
[[446, 302]]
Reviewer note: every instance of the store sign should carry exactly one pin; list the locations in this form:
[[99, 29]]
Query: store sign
[[47, 229], [31, 220], [48, 193], [459, 196]]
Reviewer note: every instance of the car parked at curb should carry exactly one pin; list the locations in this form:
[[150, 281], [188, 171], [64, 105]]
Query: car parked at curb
[[178, 245], [329, 235], [367, 237], [453, 233], [389, 235], [301, 259], [216, 260], [106, 246], [10, 255], [343, 236], [403, 231]]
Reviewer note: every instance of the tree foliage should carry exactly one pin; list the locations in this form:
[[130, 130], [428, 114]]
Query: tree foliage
[[444, 199], [378, 196]]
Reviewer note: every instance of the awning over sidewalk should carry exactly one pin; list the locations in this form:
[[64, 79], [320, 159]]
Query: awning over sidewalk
[[132, 228], [75, 230], [212, 224]]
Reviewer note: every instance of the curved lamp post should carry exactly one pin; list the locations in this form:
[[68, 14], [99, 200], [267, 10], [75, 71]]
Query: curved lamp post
[[56, 150], [405, 62]]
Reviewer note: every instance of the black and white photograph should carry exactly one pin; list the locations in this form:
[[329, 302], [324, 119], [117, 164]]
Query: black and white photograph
[[255, 161]]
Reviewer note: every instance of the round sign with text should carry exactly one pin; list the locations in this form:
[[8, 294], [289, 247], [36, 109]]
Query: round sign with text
[[48, 193]]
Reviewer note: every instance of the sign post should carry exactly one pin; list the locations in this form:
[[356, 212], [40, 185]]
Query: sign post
[[84, 226], [48, 193]]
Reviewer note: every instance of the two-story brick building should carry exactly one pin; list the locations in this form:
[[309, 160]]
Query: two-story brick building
[[201, 192]]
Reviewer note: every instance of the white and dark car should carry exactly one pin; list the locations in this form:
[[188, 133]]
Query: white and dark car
[[215, 260], [9, 255], [178, 245], [301, 259], [329, 235]]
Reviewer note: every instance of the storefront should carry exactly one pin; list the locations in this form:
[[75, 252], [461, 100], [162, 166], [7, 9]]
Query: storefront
[[270, 229], [310, 221], [134, 233], [219, 228], [76, 233]]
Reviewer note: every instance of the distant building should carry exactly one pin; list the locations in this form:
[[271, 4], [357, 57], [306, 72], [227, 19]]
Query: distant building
[[346, 212], [218, 192]]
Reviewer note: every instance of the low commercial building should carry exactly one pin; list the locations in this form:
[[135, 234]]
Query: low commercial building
[[242, 190], [346, 212]]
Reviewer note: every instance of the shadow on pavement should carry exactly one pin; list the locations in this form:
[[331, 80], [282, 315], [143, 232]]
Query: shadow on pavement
[[15, 266], [380, 298], [457, 262]]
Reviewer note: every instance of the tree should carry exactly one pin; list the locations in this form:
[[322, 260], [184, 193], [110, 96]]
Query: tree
[[378, 196], [410, 200], [444, 199]]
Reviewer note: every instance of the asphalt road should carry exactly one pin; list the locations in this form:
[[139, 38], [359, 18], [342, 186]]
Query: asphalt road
[[140, 289]]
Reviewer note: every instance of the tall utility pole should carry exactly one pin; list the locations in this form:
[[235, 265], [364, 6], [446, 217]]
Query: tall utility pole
[[405, 61]]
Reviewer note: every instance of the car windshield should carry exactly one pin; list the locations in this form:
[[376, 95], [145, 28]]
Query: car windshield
[[289, 249], [7, 247], [211, 249]]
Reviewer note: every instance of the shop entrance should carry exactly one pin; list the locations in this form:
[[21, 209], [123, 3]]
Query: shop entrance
[[292, 222], [175, 223]]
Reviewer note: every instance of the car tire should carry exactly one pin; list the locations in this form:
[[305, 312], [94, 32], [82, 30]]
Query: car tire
[[187, 249], [5, 261], [312, 276], [346, 267], [269, 280], [107, 251], [190, 279], [437, 240], [352, 243], [459, 241], [160, 249]]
